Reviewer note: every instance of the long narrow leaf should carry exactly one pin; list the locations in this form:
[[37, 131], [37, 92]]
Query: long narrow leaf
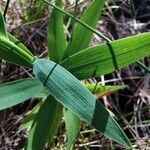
[[74, 96], [56, 35], [13, 58], [103, 90], [81, 35], [45, 125], [18, 43], [18, 91], [30, 117], [73, 122], [3, 32], [106, 58], [11, 52], [72, 127]]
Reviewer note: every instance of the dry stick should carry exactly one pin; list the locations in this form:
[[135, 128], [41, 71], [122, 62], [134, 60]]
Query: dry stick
[[6, 8], [94, 31]]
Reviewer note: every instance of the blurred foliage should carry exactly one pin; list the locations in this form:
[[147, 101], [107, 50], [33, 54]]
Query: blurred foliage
[[32, 9]]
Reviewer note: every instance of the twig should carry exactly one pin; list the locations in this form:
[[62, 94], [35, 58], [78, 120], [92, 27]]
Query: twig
[[6, 8]]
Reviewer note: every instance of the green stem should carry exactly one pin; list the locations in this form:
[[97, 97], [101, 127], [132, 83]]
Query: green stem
[[143, 66]]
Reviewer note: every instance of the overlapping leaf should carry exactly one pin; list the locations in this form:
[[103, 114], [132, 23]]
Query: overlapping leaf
[[81, 35], [73, 122], [72, 127], [51, 109], [108, 57], [56, 35], [45, 124], [18, 43], [74, 96], [9, 51], [103, 90], [3, 32], [18, 91], [30, 117]]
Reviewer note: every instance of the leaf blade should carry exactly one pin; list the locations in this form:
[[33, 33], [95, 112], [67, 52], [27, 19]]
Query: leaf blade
[[3, 32], [103, 90], [93, 12], [72, 95], [72, 127], [45, 125], [18, 43], [30, 117], [13, 93], [56, 36], [124, 52]]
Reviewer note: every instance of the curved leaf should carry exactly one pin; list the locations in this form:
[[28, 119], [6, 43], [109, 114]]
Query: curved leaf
[[73, 95]]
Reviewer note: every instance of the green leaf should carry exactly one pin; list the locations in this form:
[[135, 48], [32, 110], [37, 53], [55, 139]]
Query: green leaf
[[106, 58], [14, 54], [73, 95], [73, 122], [81, 35], [45, 124], [18, 43], [56, 35], [30, 117], [13, 58], [13, 93], [72, 127], [3, 32], [103, 90]]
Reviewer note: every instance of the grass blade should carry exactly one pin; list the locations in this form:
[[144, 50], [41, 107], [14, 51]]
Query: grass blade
[[45, 124], [13, 58], [30, 117], [93, 12], [103, 90], [72, 127], [73, 122], [73, 95], [3, 32], [92, 61], [18, 43], [13, 93], [56, 35], [14, 54], [10, 51]]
